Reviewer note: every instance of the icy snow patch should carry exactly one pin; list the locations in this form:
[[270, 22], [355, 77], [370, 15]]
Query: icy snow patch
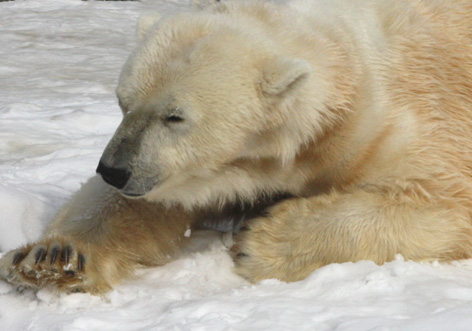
[[20, 221]]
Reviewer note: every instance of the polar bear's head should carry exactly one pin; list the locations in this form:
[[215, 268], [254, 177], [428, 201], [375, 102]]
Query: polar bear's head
[[201, 100]]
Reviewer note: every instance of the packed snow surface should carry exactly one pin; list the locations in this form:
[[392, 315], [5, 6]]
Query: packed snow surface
[[59, 64]]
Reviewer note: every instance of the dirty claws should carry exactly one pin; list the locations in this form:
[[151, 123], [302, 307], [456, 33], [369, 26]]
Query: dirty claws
[[44, 264]]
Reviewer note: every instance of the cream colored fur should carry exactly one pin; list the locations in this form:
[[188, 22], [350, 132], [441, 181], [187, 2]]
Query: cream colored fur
[[361, 110]]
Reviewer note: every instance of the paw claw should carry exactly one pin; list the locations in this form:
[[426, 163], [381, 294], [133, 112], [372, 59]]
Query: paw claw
[[18, 257], [81, 263], [40, 256], [66, 253], [54, 254]]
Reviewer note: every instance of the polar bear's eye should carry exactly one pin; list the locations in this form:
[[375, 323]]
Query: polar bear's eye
[[174, 119]]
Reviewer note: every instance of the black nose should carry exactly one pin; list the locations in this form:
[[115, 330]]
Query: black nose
[[113, 176]]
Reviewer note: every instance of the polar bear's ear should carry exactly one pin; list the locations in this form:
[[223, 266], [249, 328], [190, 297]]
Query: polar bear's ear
[[283, 74], [145, 22]]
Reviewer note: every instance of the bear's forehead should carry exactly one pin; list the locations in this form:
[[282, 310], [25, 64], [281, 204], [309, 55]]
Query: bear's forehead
[[153, 100], [184, 67], [175, 82]]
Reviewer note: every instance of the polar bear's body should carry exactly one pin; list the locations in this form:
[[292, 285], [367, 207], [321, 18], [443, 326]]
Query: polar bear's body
[[336, 130]]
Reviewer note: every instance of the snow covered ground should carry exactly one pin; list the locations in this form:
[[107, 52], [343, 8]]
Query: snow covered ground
[[59, 64]]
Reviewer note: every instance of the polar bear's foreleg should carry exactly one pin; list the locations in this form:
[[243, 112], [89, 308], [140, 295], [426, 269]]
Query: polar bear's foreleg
[[300, 235], [96, 240]]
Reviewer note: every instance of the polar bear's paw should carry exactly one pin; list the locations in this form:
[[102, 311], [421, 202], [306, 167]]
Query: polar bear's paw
[[278, 245], [254, 254], [50, 263]]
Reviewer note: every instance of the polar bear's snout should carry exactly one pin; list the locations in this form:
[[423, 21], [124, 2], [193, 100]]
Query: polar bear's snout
[[119, 167], [113, 176]]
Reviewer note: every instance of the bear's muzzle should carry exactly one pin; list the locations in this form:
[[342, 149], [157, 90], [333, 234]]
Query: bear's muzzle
[[114, 176]]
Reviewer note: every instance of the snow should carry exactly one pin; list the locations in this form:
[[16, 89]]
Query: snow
[[59, 64], [188, 233]]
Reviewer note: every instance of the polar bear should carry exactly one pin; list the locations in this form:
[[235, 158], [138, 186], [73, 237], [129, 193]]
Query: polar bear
[[334, 130]]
